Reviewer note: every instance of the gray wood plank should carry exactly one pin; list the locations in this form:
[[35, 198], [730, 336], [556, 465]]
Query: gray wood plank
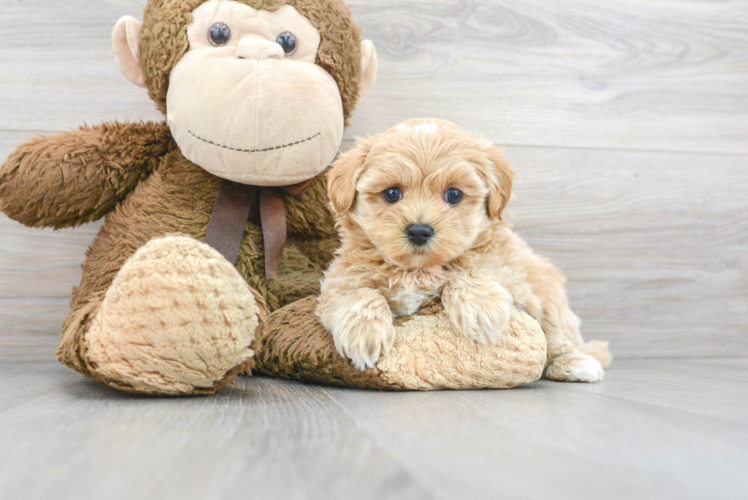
[[261, 438], [714, 387], [620, 74], [654, 246], [59, 69], [566, 441], [64, 436], [23, 382], [617, 74], [52, 257], [30, 327]]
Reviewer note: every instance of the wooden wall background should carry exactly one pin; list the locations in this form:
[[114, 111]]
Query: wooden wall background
[[626, 120]]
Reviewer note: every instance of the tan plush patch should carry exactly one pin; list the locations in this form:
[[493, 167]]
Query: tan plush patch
[[178, 317], [427, 353]]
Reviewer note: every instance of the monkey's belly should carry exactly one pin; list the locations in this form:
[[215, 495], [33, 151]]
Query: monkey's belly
[[178, 198]]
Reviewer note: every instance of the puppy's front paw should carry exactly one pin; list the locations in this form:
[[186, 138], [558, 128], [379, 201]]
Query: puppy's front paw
[[361, 326], [365, 342], [481, 312]]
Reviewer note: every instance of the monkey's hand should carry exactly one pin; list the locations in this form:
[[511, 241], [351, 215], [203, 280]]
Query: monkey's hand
[[77, 177], [480, 310], [361, 324]]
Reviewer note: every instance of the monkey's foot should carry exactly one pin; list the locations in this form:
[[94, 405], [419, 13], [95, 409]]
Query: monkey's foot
[[178, 319]]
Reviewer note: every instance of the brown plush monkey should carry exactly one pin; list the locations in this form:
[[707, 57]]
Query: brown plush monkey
[[256, 92]]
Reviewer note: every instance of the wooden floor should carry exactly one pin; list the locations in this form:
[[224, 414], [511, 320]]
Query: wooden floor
[[653, 429], [627, 122]]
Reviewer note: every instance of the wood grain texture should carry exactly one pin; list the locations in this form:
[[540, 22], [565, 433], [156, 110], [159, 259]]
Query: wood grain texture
[[654, 429], [59, 69], [259, 439], [571, 441], [669, 75], [654, 246]]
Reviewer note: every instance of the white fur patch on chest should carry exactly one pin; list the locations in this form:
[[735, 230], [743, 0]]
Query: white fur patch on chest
[[406, 301]]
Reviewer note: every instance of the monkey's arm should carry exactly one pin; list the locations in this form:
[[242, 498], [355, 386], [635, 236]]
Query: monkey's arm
[[77, 177]]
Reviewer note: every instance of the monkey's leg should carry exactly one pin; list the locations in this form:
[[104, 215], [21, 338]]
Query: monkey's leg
[[177, 319]]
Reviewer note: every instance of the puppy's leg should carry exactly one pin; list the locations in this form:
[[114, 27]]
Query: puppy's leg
[[567, 359], [480, 310], [361, 324]]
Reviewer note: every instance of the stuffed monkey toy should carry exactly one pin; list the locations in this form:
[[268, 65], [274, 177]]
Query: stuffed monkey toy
[[217, 221]]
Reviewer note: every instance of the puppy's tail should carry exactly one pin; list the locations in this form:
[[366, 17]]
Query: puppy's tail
[[600, 351]]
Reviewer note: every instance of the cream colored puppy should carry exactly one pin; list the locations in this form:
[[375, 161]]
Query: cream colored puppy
[[419, 209]]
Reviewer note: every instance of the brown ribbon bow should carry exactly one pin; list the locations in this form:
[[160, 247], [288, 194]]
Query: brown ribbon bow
[[231, 212]]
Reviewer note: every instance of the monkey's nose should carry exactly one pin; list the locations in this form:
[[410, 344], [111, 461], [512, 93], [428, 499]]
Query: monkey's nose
[[419, 234], [258, 48]]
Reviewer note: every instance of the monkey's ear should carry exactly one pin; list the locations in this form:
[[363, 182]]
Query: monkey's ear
[[368, 68], [343, 177], [499, 179], [125, 40]]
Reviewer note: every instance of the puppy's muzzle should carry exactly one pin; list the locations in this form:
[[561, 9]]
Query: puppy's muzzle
[[419, 234]]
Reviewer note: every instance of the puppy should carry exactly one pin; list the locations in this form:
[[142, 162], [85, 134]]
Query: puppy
[[419, 211]]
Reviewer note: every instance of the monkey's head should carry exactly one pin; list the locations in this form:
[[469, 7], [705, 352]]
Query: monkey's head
[[254, 91]]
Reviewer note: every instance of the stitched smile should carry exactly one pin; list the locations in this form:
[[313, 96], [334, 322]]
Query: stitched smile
[[254, 150]]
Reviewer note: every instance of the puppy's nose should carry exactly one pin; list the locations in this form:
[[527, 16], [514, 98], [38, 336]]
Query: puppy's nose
[[419, 234]]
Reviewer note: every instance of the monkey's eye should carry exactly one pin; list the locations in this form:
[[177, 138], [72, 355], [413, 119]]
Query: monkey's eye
[[287, 40], [453, 196], [219, 34], [392, 195]]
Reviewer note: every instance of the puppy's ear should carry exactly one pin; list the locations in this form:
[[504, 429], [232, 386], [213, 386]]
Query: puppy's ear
[[499, 180], [343, 177]]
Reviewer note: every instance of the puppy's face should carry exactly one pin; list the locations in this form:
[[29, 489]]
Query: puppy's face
[[421, 192]]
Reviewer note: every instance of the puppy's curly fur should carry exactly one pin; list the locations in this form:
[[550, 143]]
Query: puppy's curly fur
[[453, 188]]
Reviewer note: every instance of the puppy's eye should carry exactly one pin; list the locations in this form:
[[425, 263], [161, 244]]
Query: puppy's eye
[[392, 195], [287, 40], [219, 34], [453, 196]]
